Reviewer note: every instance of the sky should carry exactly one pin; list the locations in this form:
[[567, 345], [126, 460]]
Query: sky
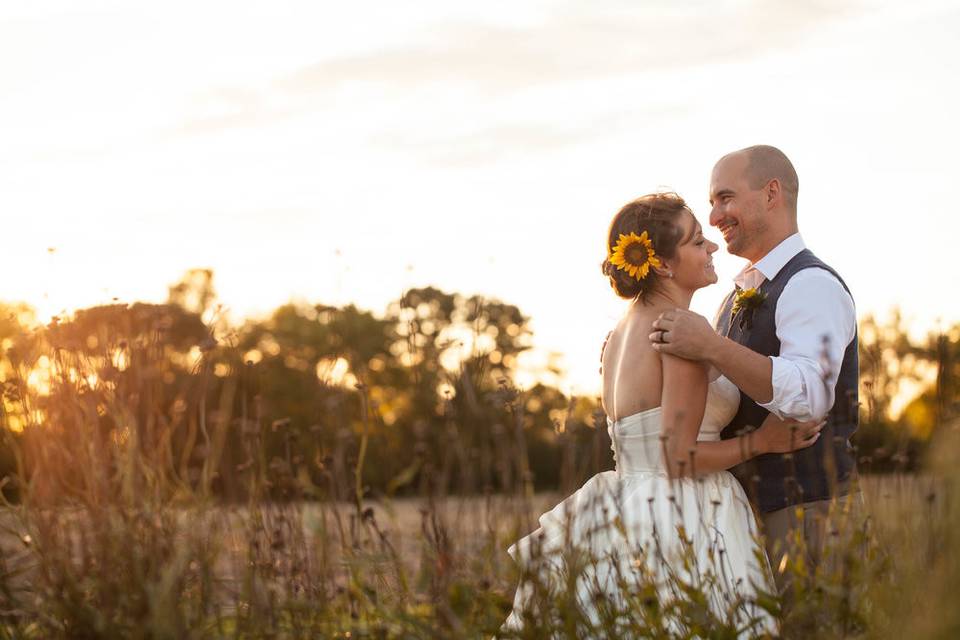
[[341, 153]]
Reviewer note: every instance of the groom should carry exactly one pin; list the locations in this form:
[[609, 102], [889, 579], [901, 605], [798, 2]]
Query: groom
[[790, 345]]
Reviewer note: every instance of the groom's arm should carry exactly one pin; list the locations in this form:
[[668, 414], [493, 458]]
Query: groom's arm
[[815, 321], [744, 367], [690, 336]]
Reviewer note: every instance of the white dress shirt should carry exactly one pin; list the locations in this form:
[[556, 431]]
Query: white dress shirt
[[815, 321]]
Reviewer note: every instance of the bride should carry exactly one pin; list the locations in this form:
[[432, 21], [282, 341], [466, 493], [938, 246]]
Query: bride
[[667, 543]]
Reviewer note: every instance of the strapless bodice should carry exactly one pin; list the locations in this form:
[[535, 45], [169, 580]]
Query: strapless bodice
[[635, 439]]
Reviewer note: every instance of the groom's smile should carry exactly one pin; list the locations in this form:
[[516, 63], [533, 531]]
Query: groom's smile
[[727, 228], [737, 208]]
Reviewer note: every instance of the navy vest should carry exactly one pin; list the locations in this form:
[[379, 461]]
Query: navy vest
[[774, 481]]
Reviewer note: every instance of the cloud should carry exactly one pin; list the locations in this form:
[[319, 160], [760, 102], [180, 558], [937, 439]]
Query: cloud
[[578, 42], [588, 42], [492, 143]]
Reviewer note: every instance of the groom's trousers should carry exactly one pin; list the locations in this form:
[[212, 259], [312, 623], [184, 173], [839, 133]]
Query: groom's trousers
[[815, 531]]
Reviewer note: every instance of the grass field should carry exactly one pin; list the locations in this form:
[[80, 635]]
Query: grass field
[[119, 522], [410, 567]]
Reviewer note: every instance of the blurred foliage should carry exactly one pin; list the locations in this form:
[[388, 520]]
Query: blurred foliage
[[170, 476], [306, 388], [908, 387], [309, 386]]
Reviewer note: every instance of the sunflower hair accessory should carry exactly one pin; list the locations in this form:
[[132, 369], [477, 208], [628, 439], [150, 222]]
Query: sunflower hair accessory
[[635, 255]]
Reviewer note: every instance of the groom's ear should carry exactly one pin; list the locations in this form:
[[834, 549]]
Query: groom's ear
[[774, 192]]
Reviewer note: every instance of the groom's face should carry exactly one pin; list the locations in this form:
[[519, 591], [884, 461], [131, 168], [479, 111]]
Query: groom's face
[[737, 209]]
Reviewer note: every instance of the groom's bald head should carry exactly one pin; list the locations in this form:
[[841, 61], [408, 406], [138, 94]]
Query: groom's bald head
[[753, 195], [765, 163]]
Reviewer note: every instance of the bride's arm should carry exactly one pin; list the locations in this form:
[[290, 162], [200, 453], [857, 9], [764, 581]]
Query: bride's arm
[[683, 401]]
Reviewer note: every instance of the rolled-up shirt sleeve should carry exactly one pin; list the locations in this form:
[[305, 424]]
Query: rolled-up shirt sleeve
[[815, 320]]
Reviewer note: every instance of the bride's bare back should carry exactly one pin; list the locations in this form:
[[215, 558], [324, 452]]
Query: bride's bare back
[[632, 371]]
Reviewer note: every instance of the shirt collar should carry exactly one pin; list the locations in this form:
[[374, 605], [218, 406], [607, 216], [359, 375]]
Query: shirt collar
[[767, 267]]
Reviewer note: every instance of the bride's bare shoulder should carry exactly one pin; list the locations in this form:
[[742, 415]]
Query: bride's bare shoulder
[[639, 322], [630, 366], [629, 339]]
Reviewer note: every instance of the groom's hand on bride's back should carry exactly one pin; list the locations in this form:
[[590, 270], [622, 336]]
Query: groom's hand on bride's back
[[683, 333]]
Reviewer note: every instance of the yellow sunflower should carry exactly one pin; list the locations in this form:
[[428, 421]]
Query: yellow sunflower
[[635, 255], [747, 299]]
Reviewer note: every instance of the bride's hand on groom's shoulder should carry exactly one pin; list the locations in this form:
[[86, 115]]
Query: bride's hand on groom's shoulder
[[683, 333], [783, 436]]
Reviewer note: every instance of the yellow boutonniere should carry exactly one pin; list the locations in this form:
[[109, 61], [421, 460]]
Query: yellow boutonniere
[[745, 302]]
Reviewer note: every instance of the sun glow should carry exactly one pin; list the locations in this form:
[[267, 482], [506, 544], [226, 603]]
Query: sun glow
[[335, 371], [40, 378], [149, 166], [120, 359]]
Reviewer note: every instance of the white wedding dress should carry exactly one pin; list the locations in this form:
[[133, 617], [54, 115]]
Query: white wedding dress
[[630, 522]]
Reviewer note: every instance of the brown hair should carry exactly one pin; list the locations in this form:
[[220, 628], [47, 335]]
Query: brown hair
[[659, 215]]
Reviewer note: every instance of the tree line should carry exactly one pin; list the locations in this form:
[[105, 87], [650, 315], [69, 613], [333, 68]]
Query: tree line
[[338, 401]]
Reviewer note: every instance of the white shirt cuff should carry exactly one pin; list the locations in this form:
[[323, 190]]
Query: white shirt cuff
[[790, 393]]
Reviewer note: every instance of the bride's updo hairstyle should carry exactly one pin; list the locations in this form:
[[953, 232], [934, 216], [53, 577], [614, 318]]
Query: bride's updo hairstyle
[[659, 215]]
